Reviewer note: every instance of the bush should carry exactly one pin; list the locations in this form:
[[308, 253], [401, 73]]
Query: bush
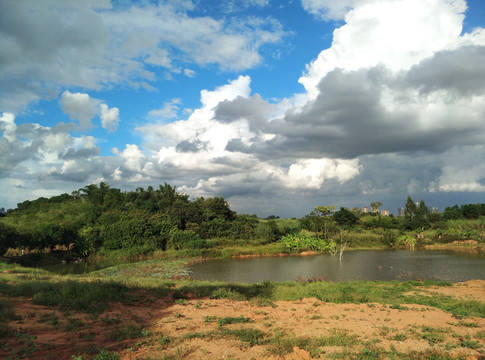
[[7, 237], [268, 231], [299, 242], [185, 239]]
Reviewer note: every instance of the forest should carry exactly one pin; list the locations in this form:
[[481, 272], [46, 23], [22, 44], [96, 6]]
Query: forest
[[99, 219]]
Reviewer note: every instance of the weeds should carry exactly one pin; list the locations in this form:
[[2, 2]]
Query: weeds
[[49, 319], [433, 335], [467, 342], [107, 355], [73, 324], [247, 335], [233, 320], [210, 318], [126, 332]]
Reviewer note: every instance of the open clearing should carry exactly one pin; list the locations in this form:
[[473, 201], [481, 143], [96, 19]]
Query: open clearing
[[204, 328]]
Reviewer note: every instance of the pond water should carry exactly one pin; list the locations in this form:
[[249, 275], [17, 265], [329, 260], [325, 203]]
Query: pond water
[[82, 267], [384, 265]]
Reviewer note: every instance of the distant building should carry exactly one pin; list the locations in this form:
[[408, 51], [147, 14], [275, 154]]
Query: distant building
[[365, 210], [385, 212], [434, 210], [401, 212]]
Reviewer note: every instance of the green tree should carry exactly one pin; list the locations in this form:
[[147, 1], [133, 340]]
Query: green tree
[[268, 230], [319, 220], [410, 211], [8, 237], [452, 213], [344, 217], [244, 227], [374, 207], [471, 211], [415, 215]]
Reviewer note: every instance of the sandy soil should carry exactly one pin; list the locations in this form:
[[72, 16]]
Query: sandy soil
[[191, 329]]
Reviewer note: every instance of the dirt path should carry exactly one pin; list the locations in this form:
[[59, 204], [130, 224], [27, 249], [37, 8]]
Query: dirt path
[[226, 329]]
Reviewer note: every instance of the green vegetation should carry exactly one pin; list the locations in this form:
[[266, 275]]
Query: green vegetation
[[98, 220]]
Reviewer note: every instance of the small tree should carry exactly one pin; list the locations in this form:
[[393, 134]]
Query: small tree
[[344, 217], [374, 207]]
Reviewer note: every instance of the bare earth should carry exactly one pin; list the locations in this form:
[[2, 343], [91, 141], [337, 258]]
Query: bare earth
[[190, 329]]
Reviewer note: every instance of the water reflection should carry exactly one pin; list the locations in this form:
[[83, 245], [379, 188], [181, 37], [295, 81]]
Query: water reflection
[[356, 265]]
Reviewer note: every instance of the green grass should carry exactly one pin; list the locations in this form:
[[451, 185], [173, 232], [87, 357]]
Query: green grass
[[281, 344], [233, 320], [246, 335]]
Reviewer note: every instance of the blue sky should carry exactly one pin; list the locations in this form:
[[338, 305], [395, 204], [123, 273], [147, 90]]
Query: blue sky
[[277, 106]]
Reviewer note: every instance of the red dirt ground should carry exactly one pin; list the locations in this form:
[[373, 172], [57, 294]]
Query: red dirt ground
[[189, 329]]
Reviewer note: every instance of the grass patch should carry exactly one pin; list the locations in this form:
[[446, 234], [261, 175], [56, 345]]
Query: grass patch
[[233, 320], [281, 345], [6, 315], [433, 335], [126, 332], [246, 335], [210, 318]]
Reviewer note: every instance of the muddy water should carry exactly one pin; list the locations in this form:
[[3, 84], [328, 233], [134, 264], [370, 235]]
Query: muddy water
[[384, 265]]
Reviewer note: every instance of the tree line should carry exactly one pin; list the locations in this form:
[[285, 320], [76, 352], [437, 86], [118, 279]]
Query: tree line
[[99, 217]]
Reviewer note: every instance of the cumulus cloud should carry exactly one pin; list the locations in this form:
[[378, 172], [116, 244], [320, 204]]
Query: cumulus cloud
[[32, 150], [79, 107], [395, 33], [110, 118], [82, 107]]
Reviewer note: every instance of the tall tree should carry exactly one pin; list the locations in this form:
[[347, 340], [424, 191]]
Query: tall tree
[[410, 211], [415, 215]]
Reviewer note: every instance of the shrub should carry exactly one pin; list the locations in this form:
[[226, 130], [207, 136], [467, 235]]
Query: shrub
[[185, 239], [299, 242]]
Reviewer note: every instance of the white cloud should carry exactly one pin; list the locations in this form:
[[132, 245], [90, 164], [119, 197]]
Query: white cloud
[[312, 173], [168, 111], [110, 118], [331, 9], [82, 107], [189, 73], [7, 125], [395, 33], [94, 45], [133, 158]]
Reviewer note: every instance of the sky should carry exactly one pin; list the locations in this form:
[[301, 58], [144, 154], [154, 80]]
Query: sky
[[278, 106]]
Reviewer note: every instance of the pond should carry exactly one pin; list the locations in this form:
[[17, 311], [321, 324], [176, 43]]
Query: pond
[[83, 267], [383, 265]]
